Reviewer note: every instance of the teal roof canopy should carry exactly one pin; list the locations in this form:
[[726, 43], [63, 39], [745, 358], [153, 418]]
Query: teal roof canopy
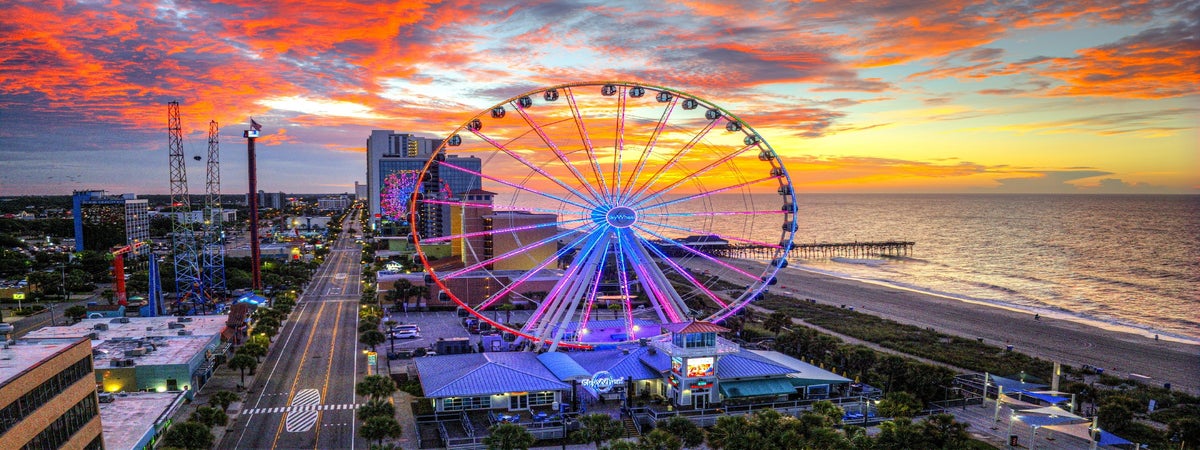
[[756, 388]]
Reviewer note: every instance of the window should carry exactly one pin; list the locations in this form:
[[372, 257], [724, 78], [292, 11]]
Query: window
[[541, 398], [61, 430], [38, 396], [464, 403]]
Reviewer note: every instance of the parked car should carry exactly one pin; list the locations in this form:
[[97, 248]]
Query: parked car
[[406, 334]]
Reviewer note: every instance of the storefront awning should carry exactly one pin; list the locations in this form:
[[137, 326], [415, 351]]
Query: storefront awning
[[756, 388]]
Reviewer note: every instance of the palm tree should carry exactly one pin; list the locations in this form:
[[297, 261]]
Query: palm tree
[[728, 431], [371, 338], [379, 428], [254, 349], [508, 436], [376, 407], [776, 321], [223, 399], [242, 361], [598, 428], [942, 431], [189, 435], [660, 439], [688, 433], [375, 386], [213, 417]]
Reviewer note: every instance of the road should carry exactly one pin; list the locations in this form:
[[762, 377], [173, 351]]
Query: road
[[303, 396]]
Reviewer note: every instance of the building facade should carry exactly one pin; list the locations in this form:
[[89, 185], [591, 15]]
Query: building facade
[[334, 203], [105, 221], [48, 396], [394, 164]]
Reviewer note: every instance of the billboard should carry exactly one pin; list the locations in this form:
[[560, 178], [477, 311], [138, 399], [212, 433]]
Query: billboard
[[700, 367], [677, 365]]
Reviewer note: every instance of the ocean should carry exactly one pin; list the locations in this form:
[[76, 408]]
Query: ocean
[[1117, 261], [1113, 260]]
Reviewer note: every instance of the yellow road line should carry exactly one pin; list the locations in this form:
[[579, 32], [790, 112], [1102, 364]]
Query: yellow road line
[[299, 372], [329, 369]]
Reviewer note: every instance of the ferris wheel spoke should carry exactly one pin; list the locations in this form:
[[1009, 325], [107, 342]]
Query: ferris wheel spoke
[[676, 157], [683, 272], [517, 186], [690, 176], [696, 232], [508, 254], [499, 231], [527, 275], [695, 252], [649, 149], [656, 284], [619, 144], [557, 152], [587, 141], [533, 167], [706, 193], [563, 300]]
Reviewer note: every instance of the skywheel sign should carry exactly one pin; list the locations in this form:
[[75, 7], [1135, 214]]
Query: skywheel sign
[[602, 382]]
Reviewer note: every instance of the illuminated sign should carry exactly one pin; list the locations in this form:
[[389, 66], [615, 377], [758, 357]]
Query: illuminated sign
[[699, 367], [602, 382], [677, 364]]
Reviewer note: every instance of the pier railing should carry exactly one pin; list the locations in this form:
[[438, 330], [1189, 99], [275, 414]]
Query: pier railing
[[812, 251]]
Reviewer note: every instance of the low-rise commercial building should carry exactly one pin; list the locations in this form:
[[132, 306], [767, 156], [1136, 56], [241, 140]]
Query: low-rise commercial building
[[156, 354], [137, 420]]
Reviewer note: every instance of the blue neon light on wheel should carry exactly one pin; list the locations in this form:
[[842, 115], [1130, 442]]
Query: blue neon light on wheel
[[605, 211]]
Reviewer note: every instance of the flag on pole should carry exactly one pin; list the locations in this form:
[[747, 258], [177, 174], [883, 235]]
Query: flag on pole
[[255, 125]]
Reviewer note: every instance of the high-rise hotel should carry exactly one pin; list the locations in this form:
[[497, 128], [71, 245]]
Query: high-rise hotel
[[394, 163]]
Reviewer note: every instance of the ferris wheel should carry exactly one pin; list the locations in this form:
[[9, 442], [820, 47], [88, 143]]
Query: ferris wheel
[[605, 208]]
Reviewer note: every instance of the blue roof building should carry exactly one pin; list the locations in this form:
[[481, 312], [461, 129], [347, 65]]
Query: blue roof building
[[691, 367]]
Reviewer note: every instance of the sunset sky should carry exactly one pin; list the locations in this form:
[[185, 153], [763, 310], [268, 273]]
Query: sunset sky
[[871, 96]]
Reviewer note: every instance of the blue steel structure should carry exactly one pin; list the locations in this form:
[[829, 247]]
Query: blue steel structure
[[640, 178]]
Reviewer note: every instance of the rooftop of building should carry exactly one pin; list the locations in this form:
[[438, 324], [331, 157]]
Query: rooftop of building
[[134, 327], [155, 351], [129, 417], [17, 358], [478, 374]]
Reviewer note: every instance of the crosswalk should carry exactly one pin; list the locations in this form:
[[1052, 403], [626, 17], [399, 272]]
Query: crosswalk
[[283, 409]]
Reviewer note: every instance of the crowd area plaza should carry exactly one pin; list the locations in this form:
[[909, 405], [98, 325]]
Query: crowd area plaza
[[689, 370]]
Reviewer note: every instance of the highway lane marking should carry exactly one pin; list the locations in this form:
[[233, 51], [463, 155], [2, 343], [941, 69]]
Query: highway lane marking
[[284, 409], [337, 321], [299, 370]]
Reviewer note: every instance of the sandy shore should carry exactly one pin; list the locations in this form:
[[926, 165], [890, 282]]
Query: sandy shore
[[1126, 355]]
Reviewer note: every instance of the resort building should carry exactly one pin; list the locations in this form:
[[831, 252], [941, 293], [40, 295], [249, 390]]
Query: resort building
[[48, 396], [336, 203], [394, 161], [156, 354], [105, 221], [690, 368]]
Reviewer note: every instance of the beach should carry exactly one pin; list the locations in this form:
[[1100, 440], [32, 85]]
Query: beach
[[1123, 354]]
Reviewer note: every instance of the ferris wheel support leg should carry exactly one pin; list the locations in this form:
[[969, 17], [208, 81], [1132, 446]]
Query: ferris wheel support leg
[[564, 298], [670, 299]]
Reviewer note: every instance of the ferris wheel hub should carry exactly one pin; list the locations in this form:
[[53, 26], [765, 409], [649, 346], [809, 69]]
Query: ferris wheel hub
[[621, 217]]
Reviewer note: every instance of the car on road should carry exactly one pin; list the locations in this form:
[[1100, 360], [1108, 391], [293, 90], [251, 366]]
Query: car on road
[[6, 328]]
